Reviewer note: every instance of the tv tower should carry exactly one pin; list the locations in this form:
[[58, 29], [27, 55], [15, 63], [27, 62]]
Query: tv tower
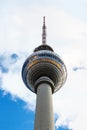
[[44, 73]]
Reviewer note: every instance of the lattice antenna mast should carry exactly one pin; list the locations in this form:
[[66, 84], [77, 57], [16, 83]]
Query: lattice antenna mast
[[44, 32]]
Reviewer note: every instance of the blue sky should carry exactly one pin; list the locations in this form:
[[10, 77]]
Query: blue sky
[[20, 32], [13, 115]]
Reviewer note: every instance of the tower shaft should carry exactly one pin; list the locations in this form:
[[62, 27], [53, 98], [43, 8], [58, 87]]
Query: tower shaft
[[44, 119]]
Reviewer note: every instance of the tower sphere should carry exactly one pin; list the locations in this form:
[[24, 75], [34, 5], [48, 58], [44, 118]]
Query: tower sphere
[[44, 65]]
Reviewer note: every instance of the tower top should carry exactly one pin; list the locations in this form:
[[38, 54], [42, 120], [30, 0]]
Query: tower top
[[44, 20], [43, 46], [44, 32]]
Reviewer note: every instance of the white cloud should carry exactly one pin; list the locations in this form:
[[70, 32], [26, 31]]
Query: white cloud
[[22, 27], [12, 81], [22, 24], [70, 101]]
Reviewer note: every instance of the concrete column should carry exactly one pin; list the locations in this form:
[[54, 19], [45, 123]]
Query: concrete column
[[44, 118]]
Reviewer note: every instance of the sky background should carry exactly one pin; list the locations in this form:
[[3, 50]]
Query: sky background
[[20, 32]]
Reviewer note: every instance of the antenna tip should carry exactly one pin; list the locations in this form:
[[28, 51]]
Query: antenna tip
[[44, 32], [44, 20]]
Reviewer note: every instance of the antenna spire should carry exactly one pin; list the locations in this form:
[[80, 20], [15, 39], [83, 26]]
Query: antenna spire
[[44, 32]]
